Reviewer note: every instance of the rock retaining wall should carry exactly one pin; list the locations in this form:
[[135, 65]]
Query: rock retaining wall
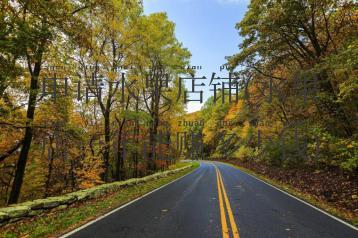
[[19, 211]]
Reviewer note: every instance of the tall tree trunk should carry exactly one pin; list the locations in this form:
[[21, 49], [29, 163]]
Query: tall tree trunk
[[119, 155], [51, 155], [120, 147], [107, 138], [120, 152], [21, 163], [153, 132], [73, 175], [136, 134]]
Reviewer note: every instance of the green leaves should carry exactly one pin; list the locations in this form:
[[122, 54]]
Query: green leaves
[[309, 45]]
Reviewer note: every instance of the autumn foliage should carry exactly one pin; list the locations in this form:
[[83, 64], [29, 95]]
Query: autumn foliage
[[86, 88]]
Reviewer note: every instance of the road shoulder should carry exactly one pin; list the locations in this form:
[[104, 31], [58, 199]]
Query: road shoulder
[[343, 217], [63, 221]]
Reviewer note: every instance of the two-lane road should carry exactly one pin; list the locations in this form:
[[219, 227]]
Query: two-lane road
[[217, 200]]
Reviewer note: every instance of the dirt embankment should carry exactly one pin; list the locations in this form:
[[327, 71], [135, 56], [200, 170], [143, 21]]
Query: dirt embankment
[[330, 185]]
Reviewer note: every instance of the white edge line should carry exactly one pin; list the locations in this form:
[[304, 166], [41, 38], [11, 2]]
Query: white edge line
[[121, 207], [308, 204]]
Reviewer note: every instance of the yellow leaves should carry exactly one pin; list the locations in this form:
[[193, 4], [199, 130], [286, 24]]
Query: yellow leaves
[[244, 153], [245, 130], [234, 110], [90, 171], [112, 76], [269, 127], [209, 135], [77, 120]]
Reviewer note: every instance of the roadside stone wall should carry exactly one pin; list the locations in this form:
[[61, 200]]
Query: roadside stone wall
[[19, 211]]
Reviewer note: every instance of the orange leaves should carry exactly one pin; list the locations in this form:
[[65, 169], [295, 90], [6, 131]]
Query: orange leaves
[[89, 172], [235, 110]]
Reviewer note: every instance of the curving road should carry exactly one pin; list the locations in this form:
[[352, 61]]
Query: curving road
[[216, 200]]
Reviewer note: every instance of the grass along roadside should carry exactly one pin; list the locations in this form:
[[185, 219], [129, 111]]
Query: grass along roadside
[[344, 215], [178, 165], [58, 222]]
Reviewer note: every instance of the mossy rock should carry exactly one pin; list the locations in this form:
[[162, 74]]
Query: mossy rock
[[31, 204], [61, 207], [142, 180], [96, 192], [130, 182], [44, 203], [51, 202], [165, 173], [153, 177], [15, 211], [35, 205], [81, 195], [70, 198], [146, 179], [110, 187], [118, 184], [3, 217]]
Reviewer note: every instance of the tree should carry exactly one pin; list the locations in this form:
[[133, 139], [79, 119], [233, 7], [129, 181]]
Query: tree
[[36, 28], [159, 58], [297, 36], [300, 61]]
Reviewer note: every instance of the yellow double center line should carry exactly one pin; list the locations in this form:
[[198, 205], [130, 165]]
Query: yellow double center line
[[223, 200]]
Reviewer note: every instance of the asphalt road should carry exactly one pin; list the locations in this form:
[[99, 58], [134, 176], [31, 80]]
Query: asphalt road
[[217, 200]]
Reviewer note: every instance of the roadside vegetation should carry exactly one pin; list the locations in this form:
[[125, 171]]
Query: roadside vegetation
[[295, 120], [87, 89], [58, 222], [308, 192]]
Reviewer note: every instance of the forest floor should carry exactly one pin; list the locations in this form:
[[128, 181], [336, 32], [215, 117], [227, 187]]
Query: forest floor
[[59, 222], [329, 189]]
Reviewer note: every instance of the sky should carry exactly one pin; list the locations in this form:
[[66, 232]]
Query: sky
[[207, 29]]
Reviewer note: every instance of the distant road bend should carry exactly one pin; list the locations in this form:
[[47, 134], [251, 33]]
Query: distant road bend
[[216, 200]]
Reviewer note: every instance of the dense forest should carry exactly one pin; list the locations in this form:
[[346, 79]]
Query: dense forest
[[87, 91], [296, 116], [89, 94], [299, 86]]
